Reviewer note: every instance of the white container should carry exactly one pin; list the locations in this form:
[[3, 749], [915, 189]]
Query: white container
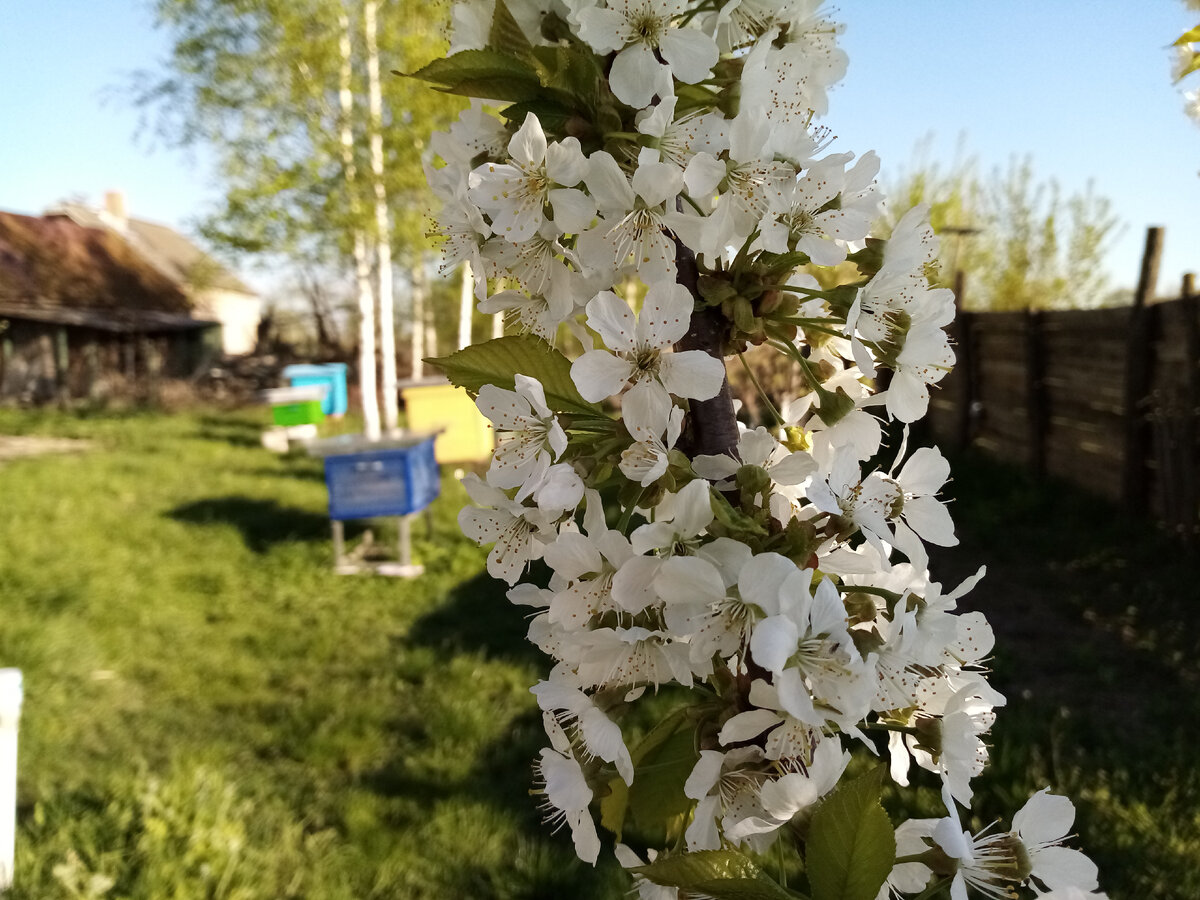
[[284, 395], [10, 716]]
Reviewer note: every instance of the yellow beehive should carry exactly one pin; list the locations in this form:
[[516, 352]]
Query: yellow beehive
[[465, 435]]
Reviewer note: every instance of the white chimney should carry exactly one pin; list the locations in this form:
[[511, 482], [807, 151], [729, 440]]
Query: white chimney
[[114, 212]]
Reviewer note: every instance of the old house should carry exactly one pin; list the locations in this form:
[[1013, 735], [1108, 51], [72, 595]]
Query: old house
[[83, 315], [213, 291]]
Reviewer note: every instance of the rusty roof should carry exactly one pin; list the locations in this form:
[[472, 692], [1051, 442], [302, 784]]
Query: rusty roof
[[116, 321], [163, 247], [53, 262]]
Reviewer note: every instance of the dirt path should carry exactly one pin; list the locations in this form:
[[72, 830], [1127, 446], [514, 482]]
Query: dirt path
[[13, 446]]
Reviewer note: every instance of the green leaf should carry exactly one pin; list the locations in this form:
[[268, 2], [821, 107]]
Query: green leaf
[[762, 888], [687, 869], [574, 70], [477, 66], [1188, 37], [656, 794], [615, 805], [851, 842], [552, 116], [734, 519], [553, 108], [506, 35], [499, 361], [721, 874], [870, 258], [490, 88]]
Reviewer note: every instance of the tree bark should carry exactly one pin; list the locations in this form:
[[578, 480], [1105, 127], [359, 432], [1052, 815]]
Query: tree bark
[[466, 305], [362, 268], [711, 426], [383, 228], [420, 296]]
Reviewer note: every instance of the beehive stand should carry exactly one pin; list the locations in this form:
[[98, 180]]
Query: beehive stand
[[394, 477]]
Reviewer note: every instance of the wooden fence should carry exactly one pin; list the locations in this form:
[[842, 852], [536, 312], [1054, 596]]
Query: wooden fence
[[1107, 399]]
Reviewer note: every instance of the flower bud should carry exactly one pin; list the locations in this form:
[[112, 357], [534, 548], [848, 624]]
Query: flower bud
[[796, 438], [859, 607], [753, 479]]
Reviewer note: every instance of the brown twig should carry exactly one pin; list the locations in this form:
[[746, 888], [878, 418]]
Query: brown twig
[[711, 427]]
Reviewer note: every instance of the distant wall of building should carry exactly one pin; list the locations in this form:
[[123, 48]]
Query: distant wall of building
[[42, 362], [238, 313]]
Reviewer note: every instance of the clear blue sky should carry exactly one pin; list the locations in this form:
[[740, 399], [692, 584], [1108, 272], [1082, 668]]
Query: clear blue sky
[[1081, 87]]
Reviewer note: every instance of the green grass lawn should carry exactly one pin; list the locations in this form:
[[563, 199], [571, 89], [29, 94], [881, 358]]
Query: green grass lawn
[[212, 713]]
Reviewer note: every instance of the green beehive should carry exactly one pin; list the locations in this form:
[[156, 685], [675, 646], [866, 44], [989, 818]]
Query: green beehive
[[306, 413], [296, 405]]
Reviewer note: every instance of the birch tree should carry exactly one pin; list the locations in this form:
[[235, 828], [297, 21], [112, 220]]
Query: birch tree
[[362, 268], [261, 83]]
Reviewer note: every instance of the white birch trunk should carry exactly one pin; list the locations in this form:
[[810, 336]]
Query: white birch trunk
[[420, 297], [10, 715], [362, 267], [387, 305], [466, 305]]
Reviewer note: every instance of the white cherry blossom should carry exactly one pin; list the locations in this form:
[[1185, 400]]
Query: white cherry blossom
[[641, 31], [634, 217], [518, 533], [515, 194], [992, 862], [528, 436], [574, 710], [654, 423], [638, 348], [566, 799]]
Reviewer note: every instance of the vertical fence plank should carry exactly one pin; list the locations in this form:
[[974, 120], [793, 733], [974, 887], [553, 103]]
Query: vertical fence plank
[[1191, 340], [1134, 482], [964, 362], [10, 714], [1035, 393]]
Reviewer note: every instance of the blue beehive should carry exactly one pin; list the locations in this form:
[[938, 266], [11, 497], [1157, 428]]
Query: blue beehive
[[392, 481], [331, 376]]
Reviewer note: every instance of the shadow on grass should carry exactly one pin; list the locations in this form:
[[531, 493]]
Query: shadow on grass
[[262, 523], [297, 470], [1096, 616], [237, 434], [543, 865], [477, 617]]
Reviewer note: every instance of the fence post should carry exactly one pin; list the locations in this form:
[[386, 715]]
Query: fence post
[[1191, 344], [10, 714], [965, 361], [1139, 357], [1035, 399]]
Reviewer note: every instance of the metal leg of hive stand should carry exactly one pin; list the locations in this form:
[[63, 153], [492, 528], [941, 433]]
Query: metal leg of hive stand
[[339, 543], [404, 540], [339, 546], [403, 567]]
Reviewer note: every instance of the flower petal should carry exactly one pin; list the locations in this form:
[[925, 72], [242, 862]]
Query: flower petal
[[690, 53], [1045, 817], [666, 314], [692, 373], [599, 375], [637, 75], [528, 145], [610, 317], [1062, 867]]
